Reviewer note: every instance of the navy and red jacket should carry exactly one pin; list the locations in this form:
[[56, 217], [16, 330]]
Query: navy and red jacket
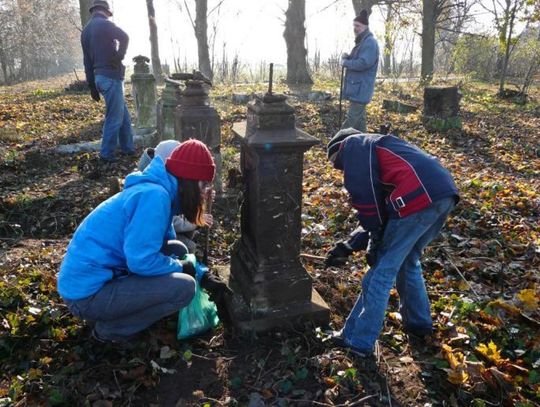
[[387, 177]]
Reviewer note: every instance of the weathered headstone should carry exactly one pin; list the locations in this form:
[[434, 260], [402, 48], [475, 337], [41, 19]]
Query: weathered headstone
[[195, 118], [170, 99], [272, 288], [441, 108], [398, 106], [144, 96]]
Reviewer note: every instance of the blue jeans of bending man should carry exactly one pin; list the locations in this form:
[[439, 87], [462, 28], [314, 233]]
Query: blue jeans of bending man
[[131, 303], [117, 128], [398, 260]]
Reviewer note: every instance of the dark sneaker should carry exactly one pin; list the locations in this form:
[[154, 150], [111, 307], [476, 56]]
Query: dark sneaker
[[126, 344], [95, 336], [107, 160]]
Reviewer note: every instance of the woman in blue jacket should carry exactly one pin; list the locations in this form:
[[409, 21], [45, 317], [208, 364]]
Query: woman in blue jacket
[[120, 270]]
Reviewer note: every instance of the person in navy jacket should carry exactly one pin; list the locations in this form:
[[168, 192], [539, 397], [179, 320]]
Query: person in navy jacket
[[402, 196], [104, 46], [123, 269]]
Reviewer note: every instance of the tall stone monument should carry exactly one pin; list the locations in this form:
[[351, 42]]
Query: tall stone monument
[[144, 96], [272, 288], [195, 118], [170, 99]]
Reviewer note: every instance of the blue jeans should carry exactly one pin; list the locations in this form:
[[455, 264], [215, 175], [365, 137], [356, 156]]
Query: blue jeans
[[131, 303], [398, 260], [117, 127]]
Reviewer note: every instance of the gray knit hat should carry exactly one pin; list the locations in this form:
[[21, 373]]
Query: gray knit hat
[[163, 150]]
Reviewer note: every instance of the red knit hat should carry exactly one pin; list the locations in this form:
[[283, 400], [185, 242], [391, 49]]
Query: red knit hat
[[191, 160]]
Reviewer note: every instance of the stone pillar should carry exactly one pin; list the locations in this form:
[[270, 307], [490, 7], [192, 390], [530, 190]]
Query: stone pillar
[[272, 288], [195, 118], [441, 108], [170, 99], [144, 96]]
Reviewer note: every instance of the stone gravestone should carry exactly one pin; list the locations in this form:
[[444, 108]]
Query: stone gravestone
[[195, 118], [144, 95], [398, 106], [170, 99], [441, 108], [272, 288]]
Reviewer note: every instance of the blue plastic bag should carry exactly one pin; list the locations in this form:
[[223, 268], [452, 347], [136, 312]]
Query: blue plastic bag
[[201, 313]]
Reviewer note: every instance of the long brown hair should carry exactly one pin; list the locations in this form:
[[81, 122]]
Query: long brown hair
[[191, 203]]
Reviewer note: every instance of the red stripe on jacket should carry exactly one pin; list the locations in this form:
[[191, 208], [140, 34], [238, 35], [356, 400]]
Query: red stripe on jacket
[[395, 170]]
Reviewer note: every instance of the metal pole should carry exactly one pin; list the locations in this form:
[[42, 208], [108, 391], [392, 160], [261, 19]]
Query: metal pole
[[341, 96], [271, 78], [207, 231]]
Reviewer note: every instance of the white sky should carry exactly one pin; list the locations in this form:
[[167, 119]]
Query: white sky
[[251, 28]]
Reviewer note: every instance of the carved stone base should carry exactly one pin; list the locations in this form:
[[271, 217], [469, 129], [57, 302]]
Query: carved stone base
[[289, 316]]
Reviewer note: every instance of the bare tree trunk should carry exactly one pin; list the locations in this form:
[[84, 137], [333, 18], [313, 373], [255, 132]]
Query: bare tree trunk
[[388, 40], [508, 43], [85, 13], [154, 44], [295, 34], [3, 63], [533, 68], [360, 5], [201, 34], [428, 39]]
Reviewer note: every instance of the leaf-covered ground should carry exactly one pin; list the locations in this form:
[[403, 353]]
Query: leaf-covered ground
[[482, 274]]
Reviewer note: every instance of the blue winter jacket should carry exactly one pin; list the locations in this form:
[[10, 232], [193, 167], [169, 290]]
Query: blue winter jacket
[[362, 69], [387, 177], [104, 45], [126, 232]]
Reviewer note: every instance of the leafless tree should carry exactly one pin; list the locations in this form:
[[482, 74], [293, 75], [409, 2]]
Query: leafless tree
[[505, 14], [154, 43], [84, 8], [200, 27], [34, 42], [295, 35], [367, 5]]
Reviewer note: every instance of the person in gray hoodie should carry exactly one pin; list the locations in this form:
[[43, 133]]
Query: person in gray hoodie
[[185, 230]]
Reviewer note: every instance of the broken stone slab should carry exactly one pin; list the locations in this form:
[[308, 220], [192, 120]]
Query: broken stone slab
[[398, 106], [241, 98], [320, 96], [148, 139], [315, 96]]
